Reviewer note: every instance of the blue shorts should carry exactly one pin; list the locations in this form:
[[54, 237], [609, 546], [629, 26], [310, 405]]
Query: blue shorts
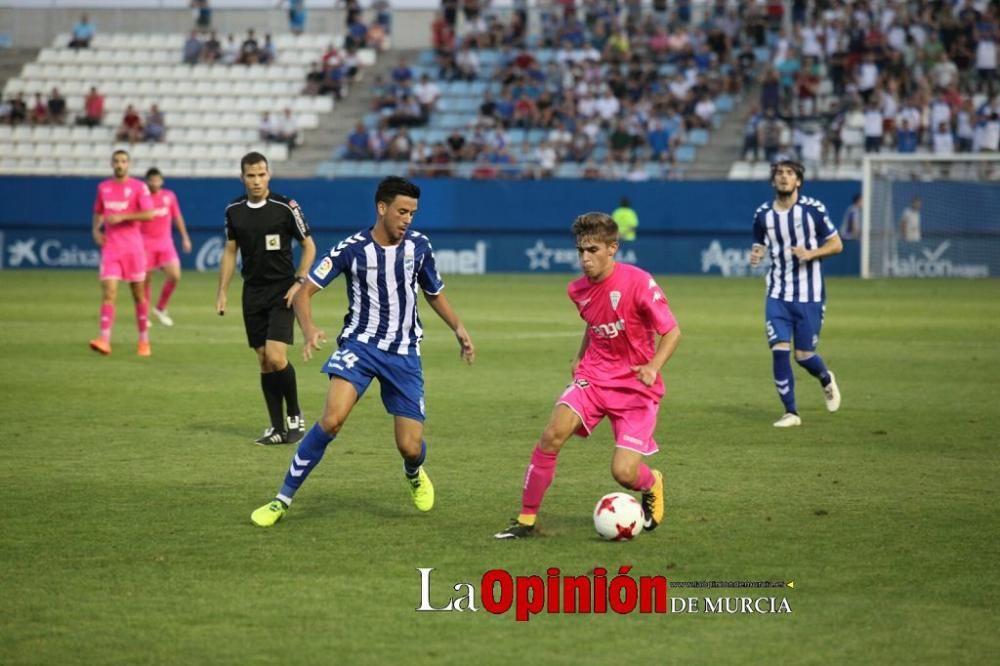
[[400, 377], [798, 322]]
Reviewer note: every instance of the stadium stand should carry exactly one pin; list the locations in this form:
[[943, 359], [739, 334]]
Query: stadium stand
[[212, 112]]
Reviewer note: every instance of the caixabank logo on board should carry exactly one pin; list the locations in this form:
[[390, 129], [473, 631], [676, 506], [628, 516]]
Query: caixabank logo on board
[[48, 253]]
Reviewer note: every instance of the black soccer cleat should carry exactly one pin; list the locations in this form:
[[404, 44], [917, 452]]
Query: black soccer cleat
[[295, 429], [516, 530], [272, 436]]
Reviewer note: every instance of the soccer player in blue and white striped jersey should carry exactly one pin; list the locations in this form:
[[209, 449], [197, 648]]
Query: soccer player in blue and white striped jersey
[[797, 234], [384, 268]]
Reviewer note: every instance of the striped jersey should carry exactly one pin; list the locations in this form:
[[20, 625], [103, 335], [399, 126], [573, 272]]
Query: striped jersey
[[381, 288], [806, 224]]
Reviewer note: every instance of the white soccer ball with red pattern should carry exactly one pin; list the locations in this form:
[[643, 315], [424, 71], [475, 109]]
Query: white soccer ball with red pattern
[[618, 517]]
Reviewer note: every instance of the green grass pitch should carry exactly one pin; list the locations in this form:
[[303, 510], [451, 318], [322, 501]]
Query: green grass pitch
[[126, 486]]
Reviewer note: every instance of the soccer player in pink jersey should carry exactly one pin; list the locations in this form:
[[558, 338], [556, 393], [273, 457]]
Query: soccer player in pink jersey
[[616, 373], [122, 204], [158, 240]]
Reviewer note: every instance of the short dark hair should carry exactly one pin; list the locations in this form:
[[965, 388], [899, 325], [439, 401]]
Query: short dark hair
[[394, 186], [153, 171], [120, 151], [596, 225], [625, 203], [252, 158], [800, 171]]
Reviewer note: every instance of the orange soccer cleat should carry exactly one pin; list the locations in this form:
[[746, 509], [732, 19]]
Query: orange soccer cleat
[[144, 350], [101, 346]]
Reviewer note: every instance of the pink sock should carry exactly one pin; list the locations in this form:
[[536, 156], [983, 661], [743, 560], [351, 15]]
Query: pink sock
[[645, 480], [537, 480], [142, 319], [107, 320], [147, 287], [165, 294]]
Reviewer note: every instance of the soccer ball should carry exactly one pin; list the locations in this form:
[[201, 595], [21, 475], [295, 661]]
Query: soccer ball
[[618, 517]]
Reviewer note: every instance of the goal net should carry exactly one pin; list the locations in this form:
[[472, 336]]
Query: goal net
[[930, 216]]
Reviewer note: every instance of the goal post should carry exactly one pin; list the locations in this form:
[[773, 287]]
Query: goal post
[[930, 215]]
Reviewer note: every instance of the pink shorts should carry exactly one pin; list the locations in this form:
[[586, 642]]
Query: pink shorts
[[161, 255], [128, 266], [632, 415]]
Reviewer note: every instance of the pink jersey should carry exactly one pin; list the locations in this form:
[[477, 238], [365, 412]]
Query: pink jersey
[[159, 230], [624, 314], [115, 198]]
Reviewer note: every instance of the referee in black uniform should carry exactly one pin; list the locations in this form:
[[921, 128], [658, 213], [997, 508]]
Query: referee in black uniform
[[261, 225]]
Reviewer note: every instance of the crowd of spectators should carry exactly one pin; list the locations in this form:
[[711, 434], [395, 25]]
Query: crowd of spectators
[[41, 111], [631, 79], [337, 69], [880, 76], [210, 50]]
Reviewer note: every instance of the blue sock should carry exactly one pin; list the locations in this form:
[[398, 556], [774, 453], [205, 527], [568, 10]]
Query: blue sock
[[784, 380], [310, 452], [412, 467], [817, 368]]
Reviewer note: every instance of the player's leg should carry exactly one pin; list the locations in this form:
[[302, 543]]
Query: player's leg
[[807, 332], [410, 442], [141, 316], [341, 397], [280, 334], [563, 422], [269, 356], [255, 321], [171, 266], [401, 380], [109, 292], [633, 421], [134, 267], [779, 328]]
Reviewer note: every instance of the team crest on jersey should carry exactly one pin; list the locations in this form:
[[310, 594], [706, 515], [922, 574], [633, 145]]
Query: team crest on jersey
[[272, 242], [408, 260], [324, 267], [616, 296]]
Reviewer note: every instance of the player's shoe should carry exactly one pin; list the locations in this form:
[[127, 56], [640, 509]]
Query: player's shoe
[[422, 490], [164, 318], [652, 503], [269, 514], [101, 346], [831, 393], [789, 420], [271, 436], [516, 530], [144, 349], [295, 429]]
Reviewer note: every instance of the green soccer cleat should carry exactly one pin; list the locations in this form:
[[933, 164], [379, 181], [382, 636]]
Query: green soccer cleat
[[422, 490], [269, 514]]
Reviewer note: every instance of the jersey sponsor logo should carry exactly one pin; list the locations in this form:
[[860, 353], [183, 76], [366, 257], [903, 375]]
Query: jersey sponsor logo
[[272, 242], [209, 254], [616, 297], [408, 260], [324, 268], [608, 330]]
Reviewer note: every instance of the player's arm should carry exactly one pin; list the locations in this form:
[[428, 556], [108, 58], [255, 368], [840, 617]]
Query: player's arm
[[831, 246], [226, 267], [758, 249], [308, 256], [439, 303], [96, 229], [182, 229], [141, 216], [584, 343], [665, 348], [302, 302]]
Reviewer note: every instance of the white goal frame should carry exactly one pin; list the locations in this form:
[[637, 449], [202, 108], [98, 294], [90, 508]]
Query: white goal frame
[[868, 165]]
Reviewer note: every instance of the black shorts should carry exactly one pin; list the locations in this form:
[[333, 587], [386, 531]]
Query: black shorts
[[265, 315]]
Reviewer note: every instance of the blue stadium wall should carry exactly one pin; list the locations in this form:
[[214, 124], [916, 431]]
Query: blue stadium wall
[[700, 227]]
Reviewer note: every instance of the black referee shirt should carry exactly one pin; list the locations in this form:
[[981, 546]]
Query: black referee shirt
[[263, 233]]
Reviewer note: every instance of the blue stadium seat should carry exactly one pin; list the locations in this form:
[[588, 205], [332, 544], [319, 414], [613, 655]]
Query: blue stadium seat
[[568, 170], [698, 137], [685, 153], [723, 103], [426, 58]]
